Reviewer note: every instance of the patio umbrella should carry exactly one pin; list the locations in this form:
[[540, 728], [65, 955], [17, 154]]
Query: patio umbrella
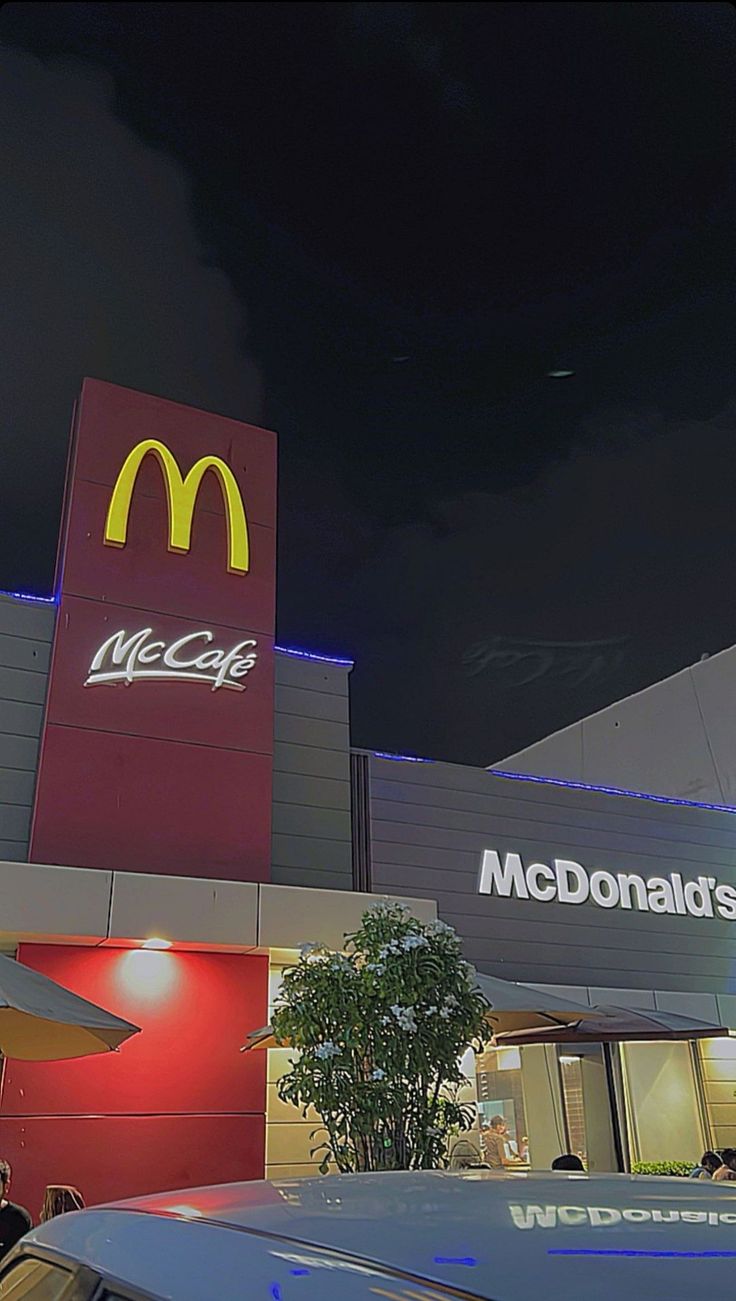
[[607, 1024], [41, 1021], [520, 1008], [513, 1008]]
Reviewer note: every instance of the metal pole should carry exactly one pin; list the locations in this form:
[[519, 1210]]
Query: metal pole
[[617, 1105]]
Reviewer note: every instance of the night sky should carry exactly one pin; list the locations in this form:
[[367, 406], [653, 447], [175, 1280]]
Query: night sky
[[377, 228]]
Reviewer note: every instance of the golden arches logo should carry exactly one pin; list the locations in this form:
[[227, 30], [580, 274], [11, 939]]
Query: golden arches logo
[[181, 493]]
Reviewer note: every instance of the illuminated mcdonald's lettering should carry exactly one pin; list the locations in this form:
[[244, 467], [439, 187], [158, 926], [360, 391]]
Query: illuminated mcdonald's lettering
[[181, 493]]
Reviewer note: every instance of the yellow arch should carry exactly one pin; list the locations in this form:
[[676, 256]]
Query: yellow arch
[[181, 493]]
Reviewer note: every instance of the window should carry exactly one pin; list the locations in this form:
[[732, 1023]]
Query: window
[[33, 1280], [500, 1093]]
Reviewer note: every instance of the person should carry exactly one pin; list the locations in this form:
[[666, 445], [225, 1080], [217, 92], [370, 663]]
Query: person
[[709, 1163], [568, 1161], [727, 1168], [14, 1220], [59, 1199], [496, 1142]]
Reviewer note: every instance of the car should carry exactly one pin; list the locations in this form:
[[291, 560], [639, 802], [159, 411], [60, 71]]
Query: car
[[419, 1236]]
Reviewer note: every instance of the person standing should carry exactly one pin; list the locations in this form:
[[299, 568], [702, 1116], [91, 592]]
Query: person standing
[[14, 1220]]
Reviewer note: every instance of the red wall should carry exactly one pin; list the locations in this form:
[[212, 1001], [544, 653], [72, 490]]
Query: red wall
[[178, 1106], [166, 776]]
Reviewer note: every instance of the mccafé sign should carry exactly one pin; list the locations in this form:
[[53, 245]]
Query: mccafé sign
[[167, 575], [128, 659], [566, 882]]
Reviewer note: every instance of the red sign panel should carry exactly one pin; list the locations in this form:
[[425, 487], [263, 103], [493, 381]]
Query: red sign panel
[[157, 749]]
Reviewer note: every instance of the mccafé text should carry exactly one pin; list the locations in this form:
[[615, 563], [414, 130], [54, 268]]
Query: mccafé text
[[140, 655], [567, 882]]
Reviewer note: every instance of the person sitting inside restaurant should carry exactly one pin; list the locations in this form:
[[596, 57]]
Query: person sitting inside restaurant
[[709, 1163], [14, 1220], [497, 1145], [59, 1199], [727, 1169], [568, 1161]]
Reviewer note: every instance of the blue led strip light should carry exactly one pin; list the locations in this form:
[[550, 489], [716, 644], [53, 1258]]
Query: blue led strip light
[[282, 650], [400, 758], [610, 790], [29, 596], [649, 1255], [311, 655]]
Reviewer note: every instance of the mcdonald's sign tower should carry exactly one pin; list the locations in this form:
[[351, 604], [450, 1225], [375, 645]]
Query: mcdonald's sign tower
[[157, 745]]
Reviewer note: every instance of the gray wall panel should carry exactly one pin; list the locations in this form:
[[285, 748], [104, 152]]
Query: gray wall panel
[[26, 630], [22, 685], [675, 738], [26, 619], [311, 674], [430, 824], [311, 852], [311, 841], [324, 824], [18, 752], [305, 876], [13, 851], [292, 788], [15, 823], [311, 704], [19, 719], [25, 653]]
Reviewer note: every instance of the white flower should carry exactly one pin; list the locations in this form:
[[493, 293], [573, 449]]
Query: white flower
[[405, 1017], [340, 963], [445, 1013], [326, 1050], [451, 1001], [440, 928], [307, 946], [432, 1010], [413, 942], [378, 1074], [376, 967]]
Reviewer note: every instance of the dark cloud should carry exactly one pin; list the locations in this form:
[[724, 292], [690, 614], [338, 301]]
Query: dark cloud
[[102, 274], [628, 544]]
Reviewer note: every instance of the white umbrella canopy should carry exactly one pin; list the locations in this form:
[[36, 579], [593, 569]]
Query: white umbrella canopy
[[608, 1024], [520, 1008], [513, 1008], [41, 1021]]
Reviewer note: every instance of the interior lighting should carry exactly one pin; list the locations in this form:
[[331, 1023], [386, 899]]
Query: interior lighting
[[567, 1059], [156, 942]]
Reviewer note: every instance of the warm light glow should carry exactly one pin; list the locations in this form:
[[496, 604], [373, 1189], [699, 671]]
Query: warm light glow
[[150, 976], [156, 942]]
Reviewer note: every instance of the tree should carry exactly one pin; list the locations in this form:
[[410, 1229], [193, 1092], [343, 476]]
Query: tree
[[380, 1029]]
